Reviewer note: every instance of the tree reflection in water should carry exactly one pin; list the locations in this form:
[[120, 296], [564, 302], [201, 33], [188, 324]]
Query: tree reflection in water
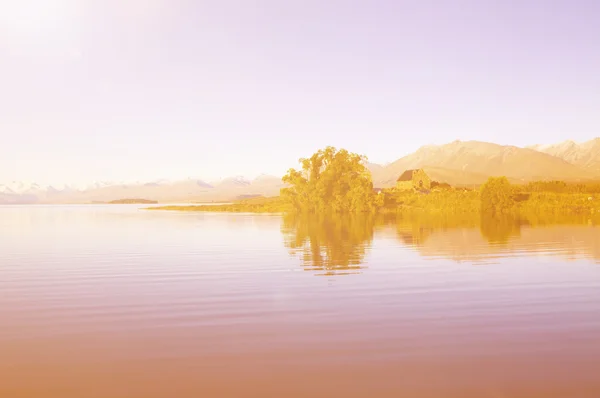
[[333, 244], [499, 229], [337, 244], [415, 230]]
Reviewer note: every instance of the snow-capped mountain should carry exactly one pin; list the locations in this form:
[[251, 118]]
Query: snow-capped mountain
[[189, 190], [458, 162], [236, 181], [585, 154], [20, 187]]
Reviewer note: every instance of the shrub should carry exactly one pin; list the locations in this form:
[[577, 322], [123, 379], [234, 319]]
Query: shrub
[[496, 196]]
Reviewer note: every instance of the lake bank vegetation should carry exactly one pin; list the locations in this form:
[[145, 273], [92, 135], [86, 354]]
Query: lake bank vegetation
[[337, 181], [253, 205], [128, 201]]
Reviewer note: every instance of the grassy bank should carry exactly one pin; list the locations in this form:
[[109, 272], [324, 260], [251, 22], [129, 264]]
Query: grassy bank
[[335, 181], [132, 201], [253, 205], [436, 203], [559, 203], [440, 202], [469, 202]]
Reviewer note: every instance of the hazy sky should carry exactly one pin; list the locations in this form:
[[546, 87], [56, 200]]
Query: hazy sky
[[147, 89]]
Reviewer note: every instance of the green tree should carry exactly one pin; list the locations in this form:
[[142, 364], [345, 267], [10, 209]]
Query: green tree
[[330, 181], [496, 196]]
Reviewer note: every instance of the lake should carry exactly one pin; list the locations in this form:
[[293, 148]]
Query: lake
[[117, 301]]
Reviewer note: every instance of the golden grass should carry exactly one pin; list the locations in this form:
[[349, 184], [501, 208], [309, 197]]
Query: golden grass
[[528, 202], [253, 205], [436, 202]]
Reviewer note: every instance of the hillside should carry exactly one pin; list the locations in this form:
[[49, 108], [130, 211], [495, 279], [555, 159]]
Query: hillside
[[384, 178], [190, 190], [471, 162], [585, 155], [132, 201], [460, 163], [459, 177]]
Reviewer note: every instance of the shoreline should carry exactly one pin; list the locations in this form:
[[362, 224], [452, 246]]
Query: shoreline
[[435, 204]]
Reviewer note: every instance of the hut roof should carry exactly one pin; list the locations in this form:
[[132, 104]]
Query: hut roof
[[407, 175]]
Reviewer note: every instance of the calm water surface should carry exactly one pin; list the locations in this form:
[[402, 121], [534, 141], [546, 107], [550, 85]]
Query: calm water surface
[[114, 301]]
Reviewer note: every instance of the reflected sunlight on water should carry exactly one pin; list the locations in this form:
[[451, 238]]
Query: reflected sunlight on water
[[101, 301]]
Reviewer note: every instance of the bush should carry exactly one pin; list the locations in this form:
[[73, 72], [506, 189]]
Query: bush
[[496, 196], [440, 185]]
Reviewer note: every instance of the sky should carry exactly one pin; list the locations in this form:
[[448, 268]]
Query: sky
[[140, 90]]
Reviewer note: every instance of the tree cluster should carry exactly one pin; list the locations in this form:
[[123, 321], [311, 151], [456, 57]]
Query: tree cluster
[[330, 180], [496, 196]]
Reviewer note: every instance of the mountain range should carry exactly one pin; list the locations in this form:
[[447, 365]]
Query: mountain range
[[189, 190], [457, 163], [472, 162], [585, 155]]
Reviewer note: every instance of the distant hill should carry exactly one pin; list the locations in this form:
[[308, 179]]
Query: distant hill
[[233, 182], [13, 198], [459, 163], [472, 162], [132, 201], [190, 190], [459, 177], [246, 197], [586, 154]]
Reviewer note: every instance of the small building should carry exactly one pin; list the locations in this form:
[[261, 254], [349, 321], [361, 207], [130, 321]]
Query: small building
[[413, 179]]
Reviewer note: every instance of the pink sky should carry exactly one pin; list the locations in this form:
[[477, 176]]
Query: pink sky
[[138, 90]]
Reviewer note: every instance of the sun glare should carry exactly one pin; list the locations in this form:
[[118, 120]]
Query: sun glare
[[28, 17]]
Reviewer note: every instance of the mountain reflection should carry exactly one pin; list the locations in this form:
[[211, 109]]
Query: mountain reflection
[[338, 244]]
